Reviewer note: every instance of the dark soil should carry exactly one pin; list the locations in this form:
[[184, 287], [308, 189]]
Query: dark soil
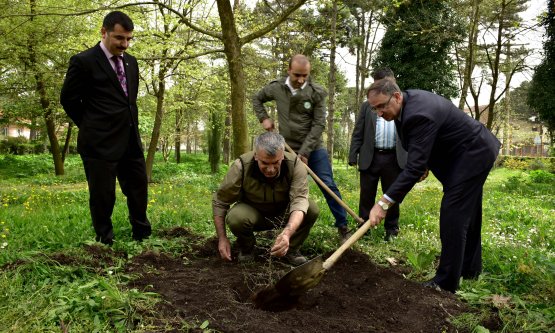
[[355, 295]]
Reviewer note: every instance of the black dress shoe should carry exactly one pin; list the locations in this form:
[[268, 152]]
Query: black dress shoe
[[389, 234], [432, 285], [140, 238], [105, 241]]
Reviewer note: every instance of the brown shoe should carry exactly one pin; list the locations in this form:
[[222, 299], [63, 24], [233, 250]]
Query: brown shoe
[[344, 233], [295, 258]]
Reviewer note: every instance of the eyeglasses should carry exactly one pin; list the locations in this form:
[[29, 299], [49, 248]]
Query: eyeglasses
[[381, 106]]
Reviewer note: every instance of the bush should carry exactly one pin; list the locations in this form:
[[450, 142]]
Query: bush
[[16, 146], [541, 176], [527, 163]]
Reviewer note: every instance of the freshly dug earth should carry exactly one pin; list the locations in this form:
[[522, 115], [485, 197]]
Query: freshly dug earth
[[355, 295]]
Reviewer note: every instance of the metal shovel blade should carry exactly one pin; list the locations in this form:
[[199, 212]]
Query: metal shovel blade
[[306, 276], [302, 278]]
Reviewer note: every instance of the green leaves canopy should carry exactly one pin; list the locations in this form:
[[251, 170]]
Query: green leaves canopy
[[417, 43]]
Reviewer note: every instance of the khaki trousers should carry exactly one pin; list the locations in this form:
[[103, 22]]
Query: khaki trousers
[[243, 220]]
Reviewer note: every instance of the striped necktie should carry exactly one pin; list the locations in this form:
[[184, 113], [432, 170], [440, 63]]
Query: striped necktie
[[121, 75]]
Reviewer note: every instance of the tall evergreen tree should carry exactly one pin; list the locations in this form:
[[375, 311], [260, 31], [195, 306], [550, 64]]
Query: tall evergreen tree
[[541, 95], [417, 43]]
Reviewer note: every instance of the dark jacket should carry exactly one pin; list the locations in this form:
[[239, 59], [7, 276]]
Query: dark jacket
[[442, 138], [363, 140], [93, 98]]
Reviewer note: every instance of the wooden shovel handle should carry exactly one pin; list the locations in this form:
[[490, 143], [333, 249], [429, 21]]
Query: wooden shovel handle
[[330, 192], [334, 256]]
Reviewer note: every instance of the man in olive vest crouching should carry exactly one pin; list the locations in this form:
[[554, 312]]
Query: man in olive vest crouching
[[266, 189]]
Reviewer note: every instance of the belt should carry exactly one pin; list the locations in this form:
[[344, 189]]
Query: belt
[[385, 150]]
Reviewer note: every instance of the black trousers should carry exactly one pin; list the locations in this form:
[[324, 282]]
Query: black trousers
[[130, 171], [460, 228], [384, 167]]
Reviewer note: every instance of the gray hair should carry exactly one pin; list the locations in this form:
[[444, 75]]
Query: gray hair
[[271, 142], [386, 86]]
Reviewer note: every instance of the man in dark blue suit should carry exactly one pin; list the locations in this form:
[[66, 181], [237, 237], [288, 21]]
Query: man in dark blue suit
[[100, 96], [460, 152]]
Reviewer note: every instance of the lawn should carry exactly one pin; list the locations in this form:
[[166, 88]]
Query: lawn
[[49, 281]]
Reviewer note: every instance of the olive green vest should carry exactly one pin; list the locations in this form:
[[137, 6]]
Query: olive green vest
[[271, 198]]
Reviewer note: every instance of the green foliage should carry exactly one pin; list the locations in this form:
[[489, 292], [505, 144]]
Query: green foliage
[[21, 146], [44, 295], [421, 261], [43, 216], [541, 176], [519, 108], [541, 95], [417, 46], [526, 163]]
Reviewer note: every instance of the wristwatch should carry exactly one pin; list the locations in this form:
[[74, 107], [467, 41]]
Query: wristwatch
[[384, 205]]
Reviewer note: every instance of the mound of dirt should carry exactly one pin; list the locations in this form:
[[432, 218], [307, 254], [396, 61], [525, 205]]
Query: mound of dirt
[[355, 295]]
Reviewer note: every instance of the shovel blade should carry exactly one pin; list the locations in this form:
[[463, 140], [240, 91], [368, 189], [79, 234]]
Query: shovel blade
[[302, 278]]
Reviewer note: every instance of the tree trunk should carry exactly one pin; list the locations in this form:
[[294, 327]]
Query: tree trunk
[[471, 53], [227, 137], [495, 67], [178, 124], [45, 103], [331, 82], [65, 151], [232, 50], [157, 124], [214, 141]]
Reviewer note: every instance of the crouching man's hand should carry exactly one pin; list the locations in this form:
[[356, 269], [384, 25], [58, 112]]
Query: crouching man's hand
[[281, 245]]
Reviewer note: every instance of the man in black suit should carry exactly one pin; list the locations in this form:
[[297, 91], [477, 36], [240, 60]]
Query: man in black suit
[[380, 157], [460, 152], [100, 96]]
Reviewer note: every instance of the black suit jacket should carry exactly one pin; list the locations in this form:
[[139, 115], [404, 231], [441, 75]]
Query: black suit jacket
[[441, 137], [94, 99], [364, 138]]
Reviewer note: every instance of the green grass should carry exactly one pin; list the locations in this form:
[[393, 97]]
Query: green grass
[[43, 216]]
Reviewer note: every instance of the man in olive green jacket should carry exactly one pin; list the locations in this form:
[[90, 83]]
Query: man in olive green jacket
[[268, 189], [302, 119]]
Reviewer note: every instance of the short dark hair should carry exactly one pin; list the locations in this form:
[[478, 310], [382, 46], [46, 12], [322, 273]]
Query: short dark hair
[[386, 86], [382, 73], [117, 17]]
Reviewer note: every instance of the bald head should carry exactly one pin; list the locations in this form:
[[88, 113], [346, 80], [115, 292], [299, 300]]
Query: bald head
[[300, 60], [299, 71]]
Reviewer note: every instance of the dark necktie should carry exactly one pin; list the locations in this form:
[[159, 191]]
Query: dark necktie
[[121, 75]]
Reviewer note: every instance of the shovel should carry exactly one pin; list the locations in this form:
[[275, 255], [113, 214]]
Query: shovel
[[306, 276], [330, 192]]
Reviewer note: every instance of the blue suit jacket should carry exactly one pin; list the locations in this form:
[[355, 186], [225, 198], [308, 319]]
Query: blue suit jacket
[[442, 138]]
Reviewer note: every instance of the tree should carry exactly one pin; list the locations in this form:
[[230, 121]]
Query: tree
[[171, 41], [504, 22], [541, 95], [34, 56], [417, 43], [233, 42], [467, 54], [363, 43]]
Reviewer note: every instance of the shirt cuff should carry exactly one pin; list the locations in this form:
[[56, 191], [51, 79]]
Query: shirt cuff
[[388, 198]]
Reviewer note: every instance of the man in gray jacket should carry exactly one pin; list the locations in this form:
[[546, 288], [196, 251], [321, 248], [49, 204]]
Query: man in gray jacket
[[302, 119]]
